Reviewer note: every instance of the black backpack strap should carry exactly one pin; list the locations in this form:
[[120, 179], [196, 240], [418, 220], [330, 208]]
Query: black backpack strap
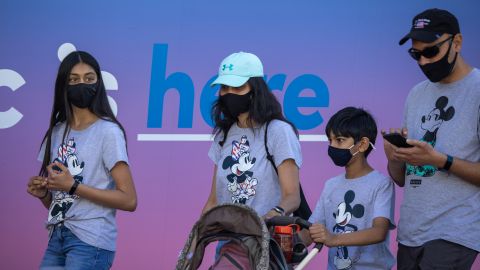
[[222, 142], [269, 156], [303, 210]]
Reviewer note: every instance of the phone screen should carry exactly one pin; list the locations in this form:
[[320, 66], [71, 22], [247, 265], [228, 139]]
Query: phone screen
[[56, 168]]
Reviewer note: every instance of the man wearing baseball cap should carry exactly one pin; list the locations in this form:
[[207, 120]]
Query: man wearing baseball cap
[[439, 223]]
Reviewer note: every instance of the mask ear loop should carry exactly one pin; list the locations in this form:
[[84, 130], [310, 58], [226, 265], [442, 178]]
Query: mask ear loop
[[355, 152], [369, 142]]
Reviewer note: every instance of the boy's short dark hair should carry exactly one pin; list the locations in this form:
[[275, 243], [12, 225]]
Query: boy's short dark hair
[[353, 122]]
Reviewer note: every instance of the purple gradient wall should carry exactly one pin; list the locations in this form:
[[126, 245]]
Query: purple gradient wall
[[351, 46]]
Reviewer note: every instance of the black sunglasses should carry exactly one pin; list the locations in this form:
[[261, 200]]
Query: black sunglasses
[[428, 52]]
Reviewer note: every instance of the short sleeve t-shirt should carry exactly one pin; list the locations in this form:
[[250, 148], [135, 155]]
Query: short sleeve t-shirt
[[89, 155], [244, 174], [350, 205], [439, 204]]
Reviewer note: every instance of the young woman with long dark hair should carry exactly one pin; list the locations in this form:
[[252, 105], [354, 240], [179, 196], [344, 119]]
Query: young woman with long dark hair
[[242, 171], [85, 174]]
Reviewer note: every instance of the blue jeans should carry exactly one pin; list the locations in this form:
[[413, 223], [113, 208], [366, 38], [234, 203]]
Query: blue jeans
[[66, 251]]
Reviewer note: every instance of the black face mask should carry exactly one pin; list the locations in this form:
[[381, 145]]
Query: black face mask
[[81, 95], [235, 104], [340, 156], [439, 70]]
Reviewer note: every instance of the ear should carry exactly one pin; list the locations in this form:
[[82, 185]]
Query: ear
[[364, 144], [227, 162], [349, 196], [457, 42], [449, 114], [441, 102], [358, 211]]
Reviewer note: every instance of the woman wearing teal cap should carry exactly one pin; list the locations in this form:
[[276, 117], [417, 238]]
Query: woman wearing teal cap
[[243, 172]]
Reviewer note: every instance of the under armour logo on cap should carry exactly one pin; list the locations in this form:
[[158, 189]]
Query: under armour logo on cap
[[237, 68], [230, 67]]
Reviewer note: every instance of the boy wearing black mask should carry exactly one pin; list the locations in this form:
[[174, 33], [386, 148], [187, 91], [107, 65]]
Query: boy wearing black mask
[[439, 217], [355, 211]]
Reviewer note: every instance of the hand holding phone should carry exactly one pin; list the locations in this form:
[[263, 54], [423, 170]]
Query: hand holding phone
[[397, 139], [56, 168]]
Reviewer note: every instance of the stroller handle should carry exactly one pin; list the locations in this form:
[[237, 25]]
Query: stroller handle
[[285, 221]]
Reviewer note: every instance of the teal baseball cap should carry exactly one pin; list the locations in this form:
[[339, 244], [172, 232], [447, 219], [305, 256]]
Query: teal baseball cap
[[237, 68]]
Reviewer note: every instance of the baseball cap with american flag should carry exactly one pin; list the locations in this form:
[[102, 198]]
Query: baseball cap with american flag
[[430, 24]]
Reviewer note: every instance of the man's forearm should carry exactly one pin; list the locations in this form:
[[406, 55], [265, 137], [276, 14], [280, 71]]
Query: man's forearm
[[396, 169]]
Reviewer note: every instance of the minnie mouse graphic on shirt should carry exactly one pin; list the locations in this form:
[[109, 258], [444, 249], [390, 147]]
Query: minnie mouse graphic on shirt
[[241, 183], [62, 201]]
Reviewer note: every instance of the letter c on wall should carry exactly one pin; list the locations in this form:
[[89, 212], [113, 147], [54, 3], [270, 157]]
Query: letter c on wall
[[12, 80]]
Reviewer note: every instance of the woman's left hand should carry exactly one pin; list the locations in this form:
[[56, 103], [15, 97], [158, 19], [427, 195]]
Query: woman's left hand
[[271, 214], [59, 178]]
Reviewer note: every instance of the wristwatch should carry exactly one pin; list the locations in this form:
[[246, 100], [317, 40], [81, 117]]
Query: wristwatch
[[74, 187], [448, 163]]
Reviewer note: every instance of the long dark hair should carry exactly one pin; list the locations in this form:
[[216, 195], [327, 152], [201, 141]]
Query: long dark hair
[[264, 107], [62, 109]]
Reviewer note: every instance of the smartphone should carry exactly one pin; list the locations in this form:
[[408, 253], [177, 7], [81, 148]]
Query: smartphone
[[397, 139], [56, 168]]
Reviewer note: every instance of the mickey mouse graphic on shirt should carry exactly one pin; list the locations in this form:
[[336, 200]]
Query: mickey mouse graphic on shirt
[[343, 217], [62, 201], [241, 183], [431, 123]]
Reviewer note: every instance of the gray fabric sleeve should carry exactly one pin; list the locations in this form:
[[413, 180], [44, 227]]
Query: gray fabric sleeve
[[384, 201], [114, 148], [214, 152], [283, 143], [318, 214], [405, 110], [41, 153]]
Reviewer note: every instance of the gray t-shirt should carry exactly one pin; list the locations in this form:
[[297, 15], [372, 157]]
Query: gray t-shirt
[[350, 205], [244, 175], [438, 204], [89, 155]]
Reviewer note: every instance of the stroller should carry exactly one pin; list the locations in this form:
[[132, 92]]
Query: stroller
[[248, 242]]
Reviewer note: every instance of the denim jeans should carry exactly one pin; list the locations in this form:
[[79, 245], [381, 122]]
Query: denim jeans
[[66, 251]]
